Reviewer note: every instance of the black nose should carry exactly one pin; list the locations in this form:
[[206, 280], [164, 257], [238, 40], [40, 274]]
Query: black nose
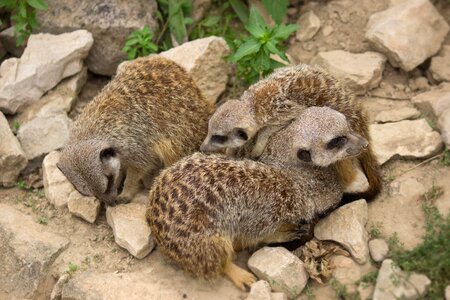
[[304, 155]]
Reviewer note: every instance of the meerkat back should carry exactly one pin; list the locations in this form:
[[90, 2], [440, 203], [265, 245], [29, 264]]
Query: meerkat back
[[149, 116]]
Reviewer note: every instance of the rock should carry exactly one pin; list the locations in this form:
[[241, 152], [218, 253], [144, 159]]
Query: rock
[[419, 83], [204, 60], [308, 25], [44, 134], [9, 42], [346, 226], [157, 279], [58, 190], [447, 292], [130, 228], [409, 139], [283, 270], [378, 249], [58, 100], [444, 125], [28, 250], [359, 71], [435, 102], [110, 22], [392, 283], [383, 110], [360, 184], [12, 157], [84, 207], [440, 65], [327, 30], [46, 60], [57, 289], [260, 290], [407, 33]]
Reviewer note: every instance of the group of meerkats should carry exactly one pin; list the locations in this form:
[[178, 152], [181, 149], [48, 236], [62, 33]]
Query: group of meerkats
[[289, 150]]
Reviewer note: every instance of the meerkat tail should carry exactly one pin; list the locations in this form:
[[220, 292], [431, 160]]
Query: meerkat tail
[[240, 277]]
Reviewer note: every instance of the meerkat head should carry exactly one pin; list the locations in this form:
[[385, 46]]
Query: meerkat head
[[322, 136], [231, 126], [93, 167]]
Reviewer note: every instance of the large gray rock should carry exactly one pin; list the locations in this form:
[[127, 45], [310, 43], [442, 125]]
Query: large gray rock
[[434, 102], [407, 33], [283, 270], [360, 71], [393, 283], [440, 65], [346, 226], [308, 24], [110, 22], [130, 228], [384, 110], [46, 61], [12, 157], [409, 139], [159, 279], [204, 60], [27, 252]]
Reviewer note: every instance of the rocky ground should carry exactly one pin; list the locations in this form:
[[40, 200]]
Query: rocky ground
[[56, 243]]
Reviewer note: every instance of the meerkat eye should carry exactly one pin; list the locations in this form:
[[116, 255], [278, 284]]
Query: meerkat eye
[[338, 142], [242, 134], [304, 155], [219, 139]]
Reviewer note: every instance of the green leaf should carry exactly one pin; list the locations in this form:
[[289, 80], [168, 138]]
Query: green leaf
[[22, 10], [282, 32], [277, 9], [250, 47], [273, 49], [241, 10], [38, 4], [176, 21], [256, 20], [132, 53], [210, 21]]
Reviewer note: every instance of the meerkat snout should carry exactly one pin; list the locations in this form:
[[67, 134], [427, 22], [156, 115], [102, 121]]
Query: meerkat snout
[[231, 126], [326, 138]]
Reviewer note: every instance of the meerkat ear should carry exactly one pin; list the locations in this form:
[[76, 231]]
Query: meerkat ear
[[110, 160]]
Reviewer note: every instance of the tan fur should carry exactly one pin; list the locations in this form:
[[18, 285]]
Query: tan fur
[[279, 99], [149, 116], [203, 204]]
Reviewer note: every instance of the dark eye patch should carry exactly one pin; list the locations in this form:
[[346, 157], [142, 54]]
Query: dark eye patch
[[242, 134], [337, 142], [304, 155], [219, 139]]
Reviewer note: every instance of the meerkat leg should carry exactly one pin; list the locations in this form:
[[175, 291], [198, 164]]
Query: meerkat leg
[[130, 186], [240, 277]]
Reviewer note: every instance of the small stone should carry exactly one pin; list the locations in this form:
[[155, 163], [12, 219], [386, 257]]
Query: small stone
[[84, 207], [327, 30], [279, 296], [392, 283], [57, 289], [12, 157], [130, 228], [308, 25], [8, 40], [260, 290], [434, 102], [283, 270], [204, 60], [28, 250], [403, 113], [46, 60], [346, 226], [384, 110], [440, 65], [409, 139], [44, 134], [419, 83], [359, 71], [407, 33], [447, 292], [378, 249], [56, 186], [444, 126]]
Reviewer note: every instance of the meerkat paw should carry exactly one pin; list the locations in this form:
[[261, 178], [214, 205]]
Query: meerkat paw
[[240, 277], [123, 199]]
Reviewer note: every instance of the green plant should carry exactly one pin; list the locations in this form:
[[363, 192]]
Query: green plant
[[21, 184], [71, 268], [369, 278], [42, 220], [15, 126], [433, 193], [341, 290], [172, 15], [252, 53], [375, 231], [23, 16], [139, 43], [446, 157], [431, 257]]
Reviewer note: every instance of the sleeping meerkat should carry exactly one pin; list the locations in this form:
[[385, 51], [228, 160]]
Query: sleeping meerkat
[[149, 116], [205, 207], [243, 126]]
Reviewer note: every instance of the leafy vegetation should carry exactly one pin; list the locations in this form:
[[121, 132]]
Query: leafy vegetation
[[369, 278], [252, 41], [23, 16], [42, 220], [431, 257], [446, 157], [341, 290]]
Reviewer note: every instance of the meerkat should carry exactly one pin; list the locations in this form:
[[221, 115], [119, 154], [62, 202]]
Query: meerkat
[[204, 208], [149, 116], [245, 125]]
